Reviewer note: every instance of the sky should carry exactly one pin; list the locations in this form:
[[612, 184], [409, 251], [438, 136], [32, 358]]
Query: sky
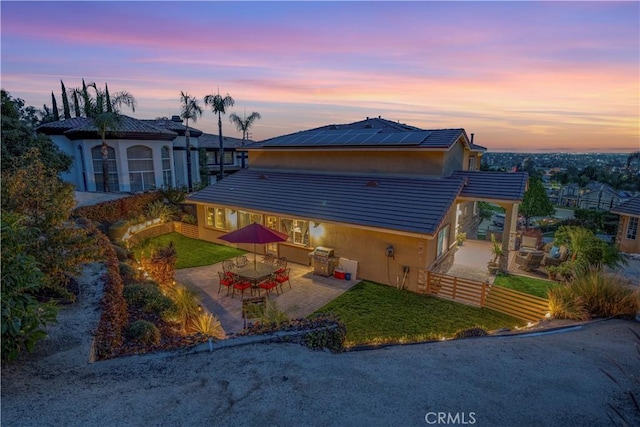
[[521, 76]]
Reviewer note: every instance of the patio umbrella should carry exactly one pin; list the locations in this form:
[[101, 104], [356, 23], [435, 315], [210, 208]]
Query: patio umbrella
[[254, 233]]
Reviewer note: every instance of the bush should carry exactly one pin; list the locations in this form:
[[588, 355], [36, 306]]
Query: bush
[[470, 333], [206, 324], [186, 302], [114, 210], [121, 253], [158, 209], [143, 332], [594, 294], [128, 273], [188, 219], [148, 298]]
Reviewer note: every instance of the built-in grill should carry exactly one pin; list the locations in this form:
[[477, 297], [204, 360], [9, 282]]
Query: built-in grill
[[324, 263]]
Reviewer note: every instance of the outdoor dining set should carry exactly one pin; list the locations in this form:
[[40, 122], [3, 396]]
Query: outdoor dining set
[[242, 274]]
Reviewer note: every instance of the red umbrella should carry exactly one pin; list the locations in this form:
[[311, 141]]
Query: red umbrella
[[254, 233]]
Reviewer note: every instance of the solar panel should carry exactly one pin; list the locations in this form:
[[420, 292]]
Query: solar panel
[[347, 137]]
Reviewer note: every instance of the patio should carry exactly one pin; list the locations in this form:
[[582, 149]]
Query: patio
[[307, 294]]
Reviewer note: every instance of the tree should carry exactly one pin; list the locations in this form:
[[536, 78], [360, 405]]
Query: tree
[[22, 315], [76, 102], [535, 202], [587, 250], [219, 106], [189, 109], [58, 244], [18, 137], [65, 102], [54, 108], [243, 124], [105, 112]]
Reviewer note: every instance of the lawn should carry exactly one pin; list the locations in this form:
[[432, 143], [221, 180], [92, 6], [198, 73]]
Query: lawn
[[376, 313], [528, 285], [191, 252]]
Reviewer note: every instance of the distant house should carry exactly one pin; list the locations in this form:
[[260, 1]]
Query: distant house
[[628, 237], [598, 196], [569, 195], [234, 160], [389, 196], [142, 154]]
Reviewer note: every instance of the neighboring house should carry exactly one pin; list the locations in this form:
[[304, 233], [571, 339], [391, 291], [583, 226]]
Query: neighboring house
[[628, 237], [387, 195], [234, 160], [143, 154], [569, 195], [598, 196]]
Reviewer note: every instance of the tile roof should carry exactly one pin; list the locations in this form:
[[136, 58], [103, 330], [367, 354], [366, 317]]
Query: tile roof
[[374, 132], [493, 185], [630, 207], [209, 140], [174, 126], [410, 204], [82, 127]]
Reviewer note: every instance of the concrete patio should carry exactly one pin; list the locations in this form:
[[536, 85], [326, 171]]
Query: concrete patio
[[308, 293]]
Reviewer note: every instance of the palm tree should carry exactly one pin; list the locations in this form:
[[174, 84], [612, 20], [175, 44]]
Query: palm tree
[[243, 124], [219, 106], [105, 112], [189, 109]]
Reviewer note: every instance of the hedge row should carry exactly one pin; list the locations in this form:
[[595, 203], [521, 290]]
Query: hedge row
[[114, 210], [108, 338]]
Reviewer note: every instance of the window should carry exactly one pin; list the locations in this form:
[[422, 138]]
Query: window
[[298, 230], [632, 228], [96, 156], [443, 241], [472, 163], [228, 157], [141, 174], [214, 157], [166, 167], [217, 218], [247, 218]]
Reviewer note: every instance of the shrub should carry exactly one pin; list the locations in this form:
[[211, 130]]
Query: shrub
[[148, 297], [267, 313], [158, 209], [188, 219], [114, 210], [594, 294], [128, 273], [143, 332], [186, 302], [206, 324], [121, 253], [175, 195], [470, 333], [162, 264], [331, 338]]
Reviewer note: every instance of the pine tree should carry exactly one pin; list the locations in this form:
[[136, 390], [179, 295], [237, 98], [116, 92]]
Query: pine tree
[[65, 102], [54, 107]]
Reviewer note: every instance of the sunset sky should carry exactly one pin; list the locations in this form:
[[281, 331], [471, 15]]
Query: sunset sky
[[543, 76]]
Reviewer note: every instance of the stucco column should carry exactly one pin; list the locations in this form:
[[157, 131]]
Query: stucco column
[[508, 233]]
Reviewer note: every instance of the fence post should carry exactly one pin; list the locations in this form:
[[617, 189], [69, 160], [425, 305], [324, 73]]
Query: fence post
[[455, 284], [428, 280], [483, 293]]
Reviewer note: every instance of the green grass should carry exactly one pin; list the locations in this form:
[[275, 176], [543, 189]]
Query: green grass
[[376, 313], [528, 285], [191, 252]]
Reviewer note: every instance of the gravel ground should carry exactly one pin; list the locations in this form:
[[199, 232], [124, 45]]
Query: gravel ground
[[550, 379]]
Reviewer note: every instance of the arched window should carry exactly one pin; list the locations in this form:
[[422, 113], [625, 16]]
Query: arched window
[[166, 167], [141, 174], [96, 157]]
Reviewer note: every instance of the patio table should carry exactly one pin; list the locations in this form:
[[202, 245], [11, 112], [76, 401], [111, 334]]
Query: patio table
[[255, 274]]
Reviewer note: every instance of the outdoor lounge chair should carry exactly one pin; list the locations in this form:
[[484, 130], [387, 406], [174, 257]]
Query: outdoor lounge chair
[[531, 261], [552, 258]]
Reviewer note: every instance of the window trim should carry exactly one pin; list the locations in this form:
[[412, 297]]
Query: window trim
[[632, 229], [442, 247]]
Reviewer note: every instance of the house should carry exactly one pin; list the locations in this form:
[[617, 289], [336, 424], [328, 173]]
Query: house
[[234, 160], [388, 196], [628, 237], [569, 195], [143, 154], [598, 196]]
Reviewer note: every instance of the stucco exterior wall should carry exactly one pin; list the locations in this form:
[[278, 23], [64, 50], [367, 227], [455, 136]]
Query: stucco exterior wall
[[392, 161], [367, 247], [626, 245], [454, 159]]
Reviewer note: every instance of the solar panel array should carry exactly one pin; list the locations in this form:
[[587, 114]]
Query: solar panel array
[[347, 137]]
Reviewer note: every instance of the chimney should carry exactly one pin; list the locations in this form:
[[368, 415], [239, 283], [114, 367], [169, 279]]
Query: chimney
[[471, 138], [176, 119]]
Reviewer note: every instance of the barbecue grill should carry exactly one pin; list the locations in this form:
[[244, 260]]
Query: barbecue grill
[[324, 263]]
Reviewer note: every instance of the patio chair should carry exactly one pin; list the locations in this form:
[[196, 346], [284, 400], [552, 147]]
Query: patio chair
[[556, 257], [228, 265], [226, 279], [241, 285], [531, 261], [268, 259], [241, 261], [281, 263], [268, 284], [283, 277]]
